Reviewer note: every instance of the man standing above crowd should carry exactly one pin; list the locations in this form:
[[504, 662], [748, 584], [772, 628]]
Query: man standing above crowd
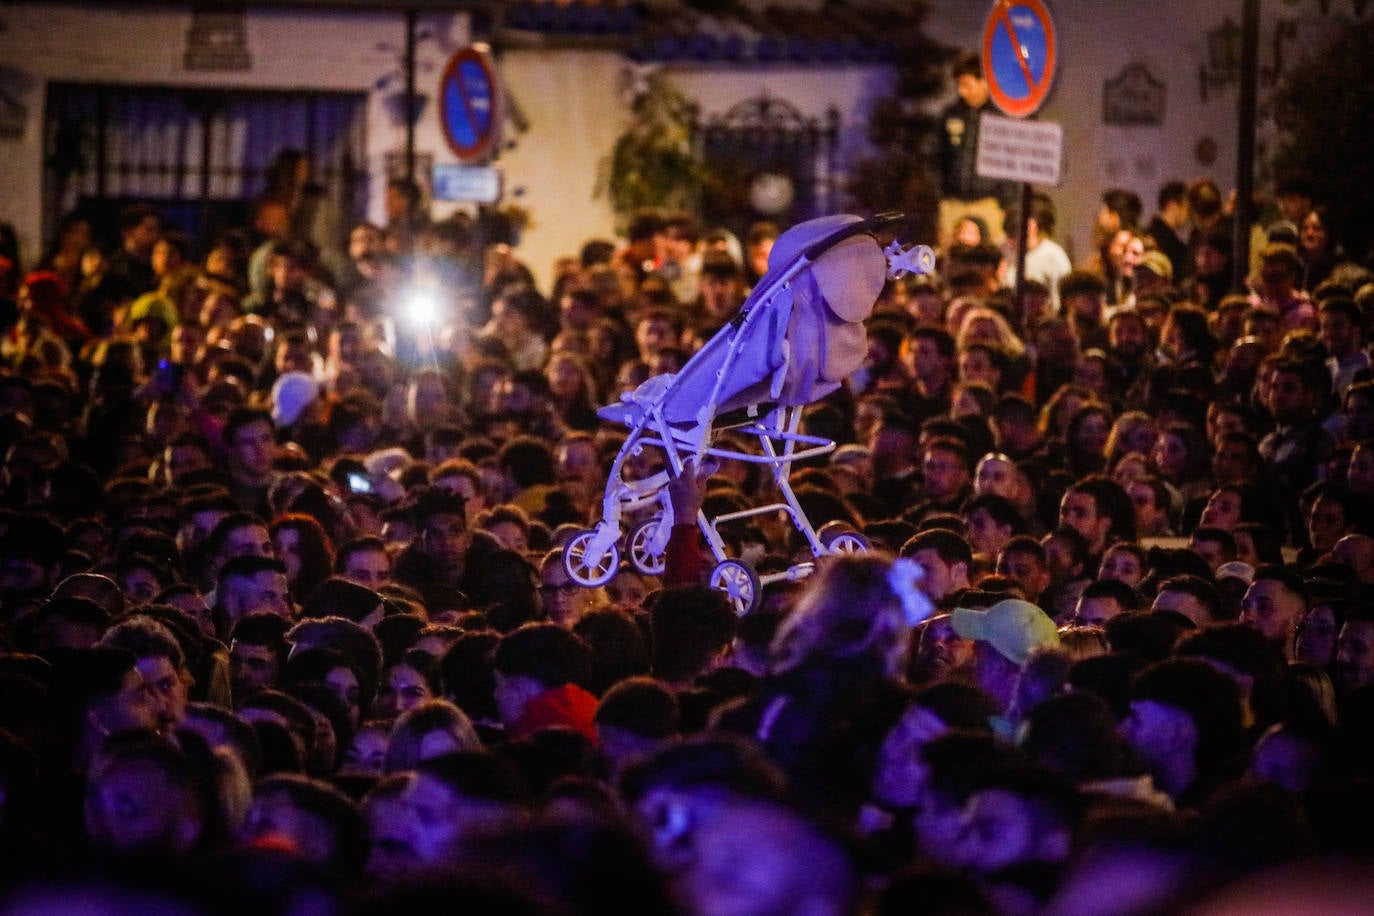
[[963, 191]]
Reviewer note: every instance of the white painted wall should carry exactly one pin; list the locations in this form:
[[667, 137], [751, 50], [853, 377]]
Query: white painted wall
[[576, 109], [573, 99]]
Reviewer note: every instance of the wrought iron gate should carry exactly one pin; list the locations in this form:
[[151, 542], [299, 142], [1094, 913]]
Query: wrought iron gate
[[745, 151]]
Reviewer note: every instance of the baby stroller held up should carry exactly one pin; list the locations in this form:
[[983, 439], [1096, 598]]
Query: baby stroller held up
[[793, 341]]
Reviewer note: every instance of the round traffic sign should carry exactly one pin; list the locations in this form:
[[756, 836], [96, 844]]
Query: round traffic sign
[[468, 104], [1019, 55]]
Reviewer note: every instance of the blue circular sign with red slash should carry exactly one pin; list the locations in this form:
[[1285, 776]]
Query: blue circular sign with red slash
[[468, 104], [1019, 55]]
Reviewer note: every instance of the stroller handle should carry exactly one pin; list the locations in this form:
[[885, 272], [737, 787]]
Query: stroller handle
[[881, 221]]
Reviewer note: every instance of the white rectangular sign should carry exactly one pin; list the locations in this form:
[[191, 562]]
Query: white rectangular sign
[[467, 183], [1029, 151]]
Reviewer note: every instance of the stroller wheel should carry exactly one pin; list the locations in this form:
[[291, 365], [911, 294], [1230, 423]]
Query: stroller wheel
[[585, 569], [739, 582], [844, 541], [640, 547]]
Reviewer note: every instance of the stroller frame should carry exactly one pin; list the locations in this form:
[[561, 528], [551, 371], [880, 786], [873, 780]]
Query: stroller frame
[[592, 557]]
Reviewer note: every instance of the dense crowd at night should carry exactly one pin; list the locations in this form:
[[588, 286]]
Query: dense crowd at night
[[285, 623]]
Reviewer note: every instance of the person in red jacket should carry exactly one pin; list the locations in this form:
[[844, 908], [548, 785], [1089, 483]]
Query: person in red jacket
[[540, 668]]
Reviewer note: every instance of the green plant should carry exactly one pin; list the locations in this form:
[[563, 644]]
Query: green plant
[[653, 163]]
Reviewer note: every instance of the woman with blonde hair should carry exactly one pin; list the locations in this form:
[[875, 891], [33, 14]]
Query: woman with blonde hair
[[1079, 643], [987, 326], [981, 324], [1060, 407], [1133, 431], [855, 612], [834, 671]]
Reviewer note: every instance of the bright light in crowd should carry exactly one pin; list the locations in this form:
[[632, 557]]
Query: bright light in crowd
[[422, 306]]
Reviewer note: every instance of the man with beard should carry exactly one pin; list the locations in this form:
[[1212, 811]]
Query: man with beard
[[1129, 349], [941, 654], [1299, 444], [1341, 325], [1274, 604], [161, 663], [944, 558], [947, 476]]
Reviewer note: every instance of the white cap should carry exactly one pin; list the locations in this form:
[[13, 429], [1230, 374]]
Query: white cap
[[1236, 569]]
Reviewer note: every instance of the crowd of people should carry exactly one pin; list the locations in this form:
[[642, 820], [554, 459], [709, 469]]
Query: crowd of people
[[286, 625]]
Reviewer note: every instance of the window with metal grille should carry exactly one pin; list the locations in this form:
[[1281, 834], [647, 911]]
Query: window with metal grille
[[200, 155], [767, 138]]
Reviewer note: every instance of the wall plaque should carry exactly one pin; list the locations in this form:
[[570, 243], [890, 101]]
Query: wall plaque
[[218, 40], [1133, 97]]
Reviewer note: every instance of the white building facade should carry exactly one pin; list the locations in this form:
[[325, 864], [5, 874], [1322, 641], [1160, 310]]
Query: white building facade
[[344, 67]]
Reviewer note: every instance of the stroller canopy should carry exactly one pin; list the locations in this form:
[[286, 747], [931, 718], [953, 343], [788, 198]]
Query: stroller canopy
[[797, 337]]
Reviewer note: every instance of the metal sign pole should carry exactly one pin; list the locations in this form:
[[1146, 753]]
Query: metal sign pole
[[1022, 238]]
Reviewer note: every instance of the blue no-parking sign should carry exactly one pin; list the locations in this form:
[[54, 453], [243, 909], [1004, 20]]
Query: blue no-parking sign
[[470, 104], [1019, 55]]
